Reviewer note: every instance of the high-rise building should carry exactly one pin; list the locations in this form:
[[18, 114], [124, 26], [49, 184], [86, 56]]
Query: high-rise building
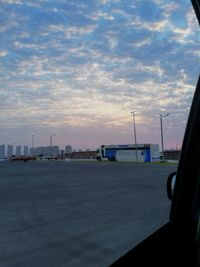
[[52, 151], [45, 151], [2, 151], [55, 151], [68, 149], [25, 150], [9, 151], [18, 151], [40, 151], [32, 151]]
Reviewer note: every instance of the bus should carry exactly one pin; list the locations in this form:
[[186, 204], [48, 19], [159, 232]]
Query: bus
[[140, 152]]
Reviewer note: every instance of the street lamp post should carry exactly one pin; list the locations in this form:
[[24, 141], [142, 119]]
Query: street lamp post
[[135, 136], [161, 131], [33, 141], [51, 140]]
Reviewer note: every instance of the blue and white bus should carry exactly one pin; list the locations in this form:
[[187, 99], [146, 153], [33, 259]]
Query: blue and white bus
[[141, 152]]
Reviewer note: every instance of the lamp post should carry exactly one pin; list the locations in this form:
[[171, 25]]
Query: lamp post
[[135, 137], [161, 131], [51, 140], [33, 141]]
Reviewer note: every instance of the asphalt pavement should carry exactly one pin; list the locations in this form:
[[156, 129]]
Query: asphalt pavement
[[75, 214]]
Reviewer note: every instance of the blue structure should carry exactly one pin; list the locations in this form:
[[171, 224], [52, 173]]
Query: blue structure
[[145, 152]]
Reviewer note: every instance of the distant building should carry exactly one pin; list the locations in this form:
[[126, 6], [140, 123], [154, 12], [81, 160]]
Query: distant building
[[40, 151], [62, 153], [55, 151], [46, 151], [25, 150], [9, 151], [18, 151], [83, 155], [32, 151], [2, 151], [68, 149], [172, 154]]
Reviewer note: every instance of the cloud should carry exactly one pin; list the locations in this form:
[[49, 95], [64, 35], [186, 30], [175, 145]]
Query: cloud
[[84, 65], [72, 32], [3, 53], [11, 2]]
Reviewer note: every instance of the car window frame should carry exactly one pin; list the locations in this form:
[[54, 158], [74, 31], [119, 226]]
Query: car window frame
[[185, 202]]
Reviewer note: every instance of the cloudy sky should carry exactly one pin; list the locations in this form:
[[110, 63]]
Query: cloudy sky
[[76, 68]]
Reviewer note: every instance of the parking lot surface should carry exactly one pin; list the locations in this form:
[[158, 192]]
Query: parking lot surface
[[74, 214]]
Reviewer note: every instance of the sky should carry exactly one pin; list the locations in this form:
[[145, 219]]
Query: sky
[[76, 69]]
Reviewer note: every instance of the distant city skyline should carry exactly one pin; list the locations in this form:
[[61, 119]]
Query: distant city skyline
[[75, 70], [8, 150]]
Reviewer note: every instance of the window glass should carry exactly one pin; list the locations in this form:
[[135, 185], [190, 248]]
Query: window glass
[[76, 75]]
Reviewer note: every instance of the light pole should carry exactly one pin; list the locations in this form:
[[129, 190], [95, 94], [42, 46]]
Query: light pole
[[51, 139], [33, 141], [135, 137], [161, 131]]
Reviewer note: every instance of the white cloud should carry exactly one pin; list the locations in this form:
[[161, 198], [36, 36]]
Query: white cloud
[[195, 52], [21, 45], [11, 2], [24, 35], [168, 8], [99, 14], [91, 75], [9, 25], [144, 42], [3, 53], [70, 32], [104, 2]]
